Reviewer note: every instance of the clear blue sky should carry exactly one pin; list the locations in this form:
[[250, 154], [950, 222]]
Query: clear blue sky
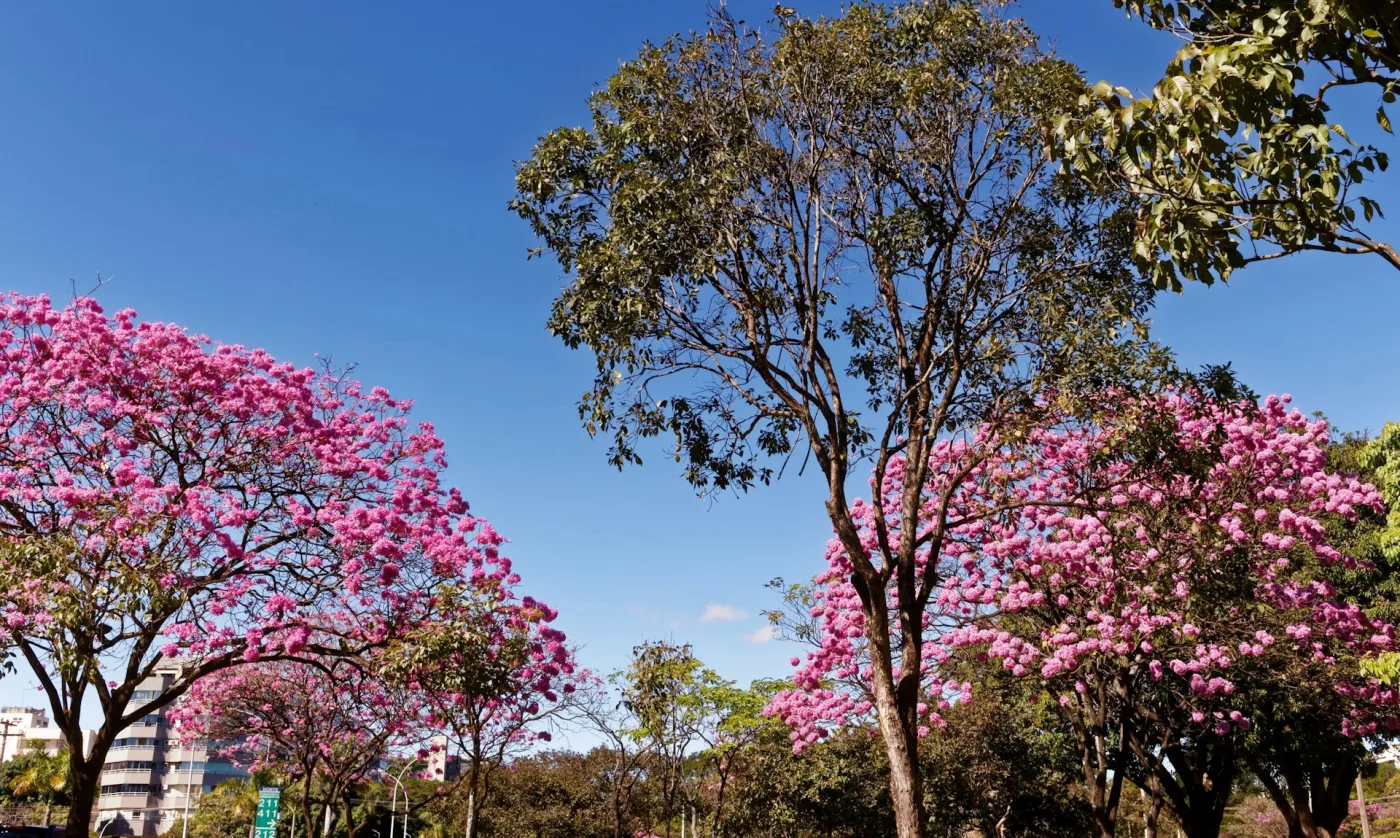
[[274, 175]]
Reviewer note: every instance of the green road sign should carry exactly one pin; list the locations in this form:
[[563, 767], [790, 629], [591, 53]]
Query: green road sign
[[266, 824]]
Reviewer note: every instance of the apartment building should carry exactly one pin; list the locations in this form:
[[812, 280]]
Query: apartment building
[[149, 778], [22, 728]]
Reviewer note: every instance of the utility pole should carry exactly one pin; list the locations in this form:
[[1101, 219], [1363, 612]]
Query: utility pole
[[5, 739], [1361, 804]]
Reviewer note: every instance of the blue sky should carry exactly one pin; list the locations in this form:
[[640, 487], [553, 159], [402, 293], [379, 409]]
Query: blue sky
[[276, 176]]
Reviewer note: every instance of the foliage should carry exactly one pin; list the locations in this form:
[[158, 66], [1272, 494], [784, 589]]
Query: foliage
[[555, 794], [1004, 764], [1236, 143], [1378, 541], [763, 229], [36, 775], [226, 811], [838, 788], [678, 704], [1381, 458]]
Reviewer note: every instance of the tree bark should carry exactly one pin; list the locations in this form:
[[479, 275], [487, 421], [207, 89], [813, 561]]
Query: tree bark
[[350, 826], [901, 745], [1313, 804], [617, 794], [1154, 810], [307, 823], [86, 778]]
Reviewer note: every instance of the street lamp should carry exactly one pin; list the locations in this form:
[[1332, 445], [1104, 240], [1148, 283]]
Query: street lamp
[[189, 783], [394, 801], [105, 824]]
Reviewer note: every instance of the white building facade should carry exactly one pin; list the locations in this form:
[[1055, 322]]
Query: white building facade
[[149, 779], [22, 728]]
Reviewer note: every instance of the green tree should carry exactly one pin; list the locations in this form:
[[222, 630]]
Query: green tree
[[835, 240], [667, 690], [838, 788], [1004, 766], [555, 794], [38, 775], [228, 811], [1381, 462], [1236, 144]]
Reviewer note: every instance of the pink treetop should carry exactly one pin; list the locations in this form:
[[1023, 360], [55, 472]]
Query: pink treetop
[[166, 500], [494, 679], [1177, 538], [216, 504], [334, 719]]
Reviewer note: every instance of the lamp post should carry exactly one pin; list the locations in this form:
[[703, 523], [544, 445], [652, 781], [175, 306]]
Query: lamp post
[[189, 784], [394, 801]]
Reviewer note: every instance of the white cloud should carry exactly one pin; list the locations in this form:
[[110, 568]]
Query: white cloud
[[718, 613], [766, 633]]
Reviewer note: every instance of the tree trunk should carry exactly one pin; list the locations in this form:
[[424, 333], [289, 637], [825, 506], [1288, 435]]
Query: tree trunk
[[350, 827], [1154, 812], [901, 744], [904, 767], [1313, 801], [307, 822], [48, 812], [86, 779], [617, 809], [1195, 779], [471, 814]]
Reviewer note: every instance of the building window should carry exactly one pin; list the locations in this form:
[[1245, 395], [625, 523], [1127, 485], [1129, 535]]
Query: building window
[[128, 788], [129, 765]]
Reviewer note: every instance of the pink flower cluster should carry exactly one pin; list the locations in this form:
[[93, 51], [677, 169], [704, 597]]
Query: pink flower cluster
[[332, 720], [236, 504], [1174, 538]]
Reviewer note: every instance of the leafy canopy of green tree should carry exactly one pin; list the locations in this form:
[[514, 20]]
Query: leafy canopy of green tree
[[1235, 152], [833, 240]]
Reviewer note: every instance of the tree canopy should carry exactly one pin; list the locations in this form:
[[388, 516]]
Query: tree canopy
[[1235, 153]]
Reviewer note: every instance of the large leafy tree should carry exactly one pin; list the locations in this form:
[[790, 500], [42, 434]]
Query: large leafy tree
[[1235, 152], [168, 502], [552, 794], [826, 241]]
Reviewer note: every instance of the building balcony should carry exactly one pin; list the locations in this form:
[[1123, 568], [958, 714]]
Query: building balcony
[[123, 800], [128, 776], [176, 753], [142, 753]]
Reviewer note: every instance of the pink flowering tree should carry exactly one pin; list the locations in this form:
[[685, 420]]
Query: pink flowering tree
[[1145, 570], [325, 724], [498, 679], [167, 502]]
